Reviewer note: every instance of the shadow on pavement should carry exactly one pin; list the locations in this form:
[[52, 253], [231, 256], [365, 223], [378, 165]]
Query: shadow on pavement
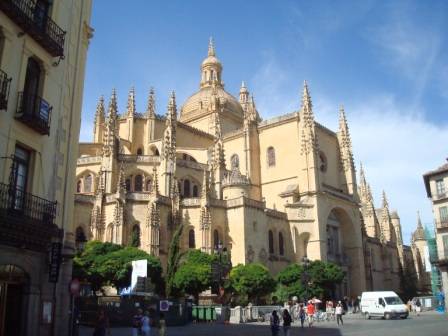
[[225, 330]]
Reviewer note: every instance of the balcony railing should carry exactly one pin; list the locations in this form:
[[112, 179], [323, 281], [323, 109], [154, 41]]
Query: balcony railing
[[35, 112], [443, 223], [26, 220], [4, 90], [34, 20], [440, 258], [440, 195], [139, 158]]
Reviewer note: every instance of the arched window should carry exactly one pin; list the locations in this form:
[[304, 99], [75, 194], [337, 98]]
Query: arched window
[[135, 237], [149, 185], [235, 161], [195, 191], [88, 183], [139, 151], [138, 183], [191, 240], [270, 153], [271, 242], [78, 186], [187, 188], [323, 162], [128, 184], [215, 238], [281, 246]]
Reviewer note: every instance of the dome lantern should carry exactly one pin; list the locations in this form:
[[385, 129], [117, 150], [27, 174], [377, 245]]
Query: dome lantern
[[211, 68]]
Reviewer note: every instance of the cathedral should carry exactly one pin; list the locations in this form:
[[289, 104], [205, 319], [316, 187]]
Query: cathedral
[[270, 191]]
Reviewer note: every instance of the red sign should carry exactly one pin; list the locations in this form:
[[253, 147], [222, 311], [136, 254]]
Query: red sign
[[75, 287]]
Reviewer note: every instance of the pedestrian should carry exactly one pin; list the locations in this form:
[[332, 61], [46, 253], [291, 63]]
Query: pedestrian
[[329, 310], [339, 311], [409, 306], [286, 322], [101, 324], [275, 323], [137, 323], [418, 306], [301, 314], [356, 306], [162, 325], [146, 324], [310, 311]]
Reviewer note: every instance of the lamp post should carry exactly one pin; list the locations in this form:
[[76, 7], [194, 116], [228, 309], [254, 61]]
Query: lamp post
[[221, 267], [305, 276]]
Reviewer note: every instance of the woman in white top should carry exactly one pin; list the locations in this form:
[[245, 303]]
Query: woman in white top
[[339, 312], [146, 324]]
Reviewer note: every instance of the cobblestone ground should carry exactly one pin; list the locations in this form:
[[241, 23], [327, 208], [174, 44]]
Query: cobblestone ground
[[428, 324]]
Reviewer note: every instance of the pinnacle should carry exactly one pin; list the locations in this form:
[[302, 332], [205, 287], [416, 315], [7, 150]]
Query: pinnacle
[[211, 47], [150, 110], [385, 203], [131, 102], [419, 221]]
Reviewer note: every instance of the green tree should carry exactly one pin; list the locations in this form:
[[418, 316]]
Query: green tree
[[252, 281], [174, 256], [319, 279], [103, 264], [194, 273]]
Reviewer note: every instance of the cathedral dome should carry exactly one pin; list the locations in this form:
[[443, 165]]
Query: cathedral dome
[[199, 103], [211, 92]]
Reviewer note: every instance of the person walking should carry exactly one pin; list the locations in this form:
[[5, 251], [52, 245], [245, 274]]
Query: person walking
[[101, 324], [301, 314], [137, 323], [310, 311], [418, 307], [275, 323], [162, 325], [339, 311], [146, 324], [286, 322], [329, 310]]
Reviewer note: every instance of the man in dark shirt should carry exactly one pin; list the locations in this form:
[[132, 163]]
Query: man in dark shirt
[[137, 323]]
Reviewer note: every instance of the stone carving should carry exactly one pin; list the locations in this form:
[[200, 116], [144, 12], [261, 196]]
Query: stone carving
[[250, 254], [263, 255]]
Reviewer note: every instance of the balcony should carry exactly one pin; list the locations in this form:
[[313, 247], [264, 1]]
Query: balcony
[[440, 195], [441, 224], [26, 220], [440, 258], [32, 17], [35, 112], [139, 158], [4, 90]]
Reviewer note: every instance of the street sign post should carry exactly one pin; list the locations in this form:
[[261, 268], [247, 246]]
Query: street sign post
[[55, 262]]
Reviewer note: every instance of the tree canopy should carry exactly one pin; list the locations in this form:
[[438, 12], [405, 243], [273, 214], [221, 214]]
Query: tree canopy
[[194, 273], [319, 279], [110, 264], [252, 281]]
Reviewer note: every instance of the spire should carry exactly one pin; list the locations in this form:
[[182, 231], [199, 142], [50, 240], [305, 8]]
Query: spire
[[131, 103], [362, 175], [171, 115], [100, 111], [244, 94], [151, 109], [308, 140], [211, 47], [419, 221], [155, 183], [110, 125], [345, 142], [121, 182], [385, 204], [113, 109]]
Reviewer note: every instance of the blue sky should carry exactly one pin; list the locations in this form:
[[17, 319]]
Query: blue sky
[[386, 61]]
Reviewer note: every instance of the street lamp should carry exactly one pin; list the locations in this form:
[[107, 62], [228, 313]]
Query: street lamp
[[305, 276], [221, 267]]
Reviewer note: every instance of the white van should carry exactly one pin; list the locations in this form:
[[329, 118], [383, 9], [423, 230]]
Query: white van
[[383, 304]]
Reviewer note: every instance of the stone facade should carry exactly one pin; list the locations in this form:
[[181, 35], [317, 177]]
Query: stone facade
[[270, 191], [43, 47]]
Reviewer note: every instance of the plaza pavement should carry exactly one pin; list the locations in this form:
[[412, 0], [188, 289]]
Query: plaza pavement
[[427, 324]]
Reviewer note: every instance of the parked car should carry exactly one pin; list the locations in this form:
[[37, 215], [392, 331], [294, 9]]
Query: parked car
[[383, 304]]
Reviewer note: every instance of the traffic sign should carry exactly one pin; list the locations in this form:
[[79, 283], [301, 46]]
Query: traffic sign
[[75, 287], [164, 305]]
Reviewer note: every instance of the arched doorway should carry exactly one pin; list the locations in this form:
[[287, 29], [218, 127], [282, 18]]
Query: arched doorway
[[300, 243], [13, 287], [344, 248]]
